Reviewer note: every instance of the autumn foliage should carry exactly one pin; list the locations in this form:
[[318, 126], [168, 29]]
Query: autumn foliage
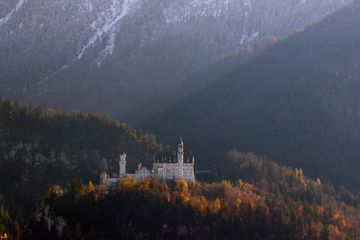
[[151, 209]]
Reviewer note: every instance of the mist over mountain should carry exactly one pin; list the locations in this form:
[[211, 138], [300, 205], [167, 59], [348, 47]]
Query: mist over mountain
[[114, 55], [298, 102]]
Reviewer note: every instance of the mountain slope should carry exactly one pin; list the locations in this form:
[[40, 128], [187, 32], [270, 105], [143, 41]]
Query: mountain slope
[[281, 204], [40, 147], [8, 226], [298, 103], [113, 55]]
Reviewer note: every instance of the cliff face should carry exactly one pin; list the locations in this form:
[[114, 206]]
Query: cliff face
[[113, 55]]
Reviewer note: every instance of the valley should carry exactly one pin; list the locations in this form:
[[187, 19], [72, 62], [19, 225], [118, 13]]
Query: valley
[[186, 119]]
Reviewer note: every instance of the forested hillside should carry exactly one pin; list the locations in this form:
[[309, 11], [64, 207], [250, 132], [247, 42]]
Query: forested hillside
[[59, 156], [297, 103], [40, 147], [290, 206], [8, 226]]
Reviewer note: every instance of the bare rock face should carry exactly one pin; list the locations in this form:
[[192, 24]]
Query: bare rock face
[[113, 55]]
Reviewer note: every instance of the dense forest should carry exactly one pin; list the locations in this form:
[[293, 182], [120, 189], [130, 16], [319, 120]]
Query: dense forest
[[50, 164], [40, 147], [297, 102], [9, 227], [267, 174], [292, 206]]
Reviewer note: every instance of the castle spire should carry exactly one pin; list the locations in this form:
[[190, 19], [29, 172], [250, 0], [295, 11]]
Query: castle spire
[[180, 153]]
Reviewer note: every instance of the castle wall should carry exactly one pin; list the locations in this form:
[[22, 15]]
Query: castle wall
[[166, 171], [173, 171], [162, 170], [142, 174], [111, 182], [188, 172]]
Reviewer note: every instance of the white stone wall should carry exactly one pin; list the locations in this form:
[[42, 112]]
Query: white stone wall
[[142, 174], [160, 171], [166, 171], [188, 172], [163, 171], [173, 171], [111, 182]]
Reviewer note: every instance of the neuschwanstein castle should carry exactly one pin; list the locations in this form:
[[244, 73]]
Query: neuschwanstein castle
[[164, 169]]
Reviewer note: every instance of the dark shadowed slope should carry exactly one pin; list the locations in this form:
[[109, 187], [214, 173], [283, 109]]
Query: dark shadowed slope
[[298, 102], [40, 147]]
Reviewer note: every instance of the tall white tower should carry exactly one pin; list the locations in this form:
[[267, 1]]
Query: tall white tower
[[180, 157], [122, 165], [180, 153]]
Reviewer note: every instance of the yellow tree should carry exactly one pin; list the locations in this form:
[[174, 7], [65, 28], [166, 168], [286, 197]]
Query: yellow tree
[[57, 191], [127, 183], [201, 204], [182, 188], [182, 185], [215, 207], [334, 233], [90, 187], [4, 236], [144, 185]]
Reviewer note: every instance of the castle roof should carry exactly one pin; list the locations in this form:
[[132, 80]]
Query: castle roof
[[172, 158]]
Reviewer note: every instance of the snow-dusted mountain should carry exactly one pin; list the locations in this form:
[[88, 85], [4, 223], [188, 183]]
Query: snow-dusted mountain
[[113, 55], [297, 102]]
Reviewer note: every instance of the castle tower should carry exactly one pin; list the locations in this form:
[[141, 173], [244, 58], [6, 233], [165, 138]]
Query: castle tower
[[179, 172], [103, 178], [122, 165], [180, 153]]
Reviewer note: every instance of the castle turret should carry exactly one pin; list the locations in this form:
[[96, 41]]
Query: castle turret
[[103, 178], [180, 153], [122, 165], [179, 170]]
